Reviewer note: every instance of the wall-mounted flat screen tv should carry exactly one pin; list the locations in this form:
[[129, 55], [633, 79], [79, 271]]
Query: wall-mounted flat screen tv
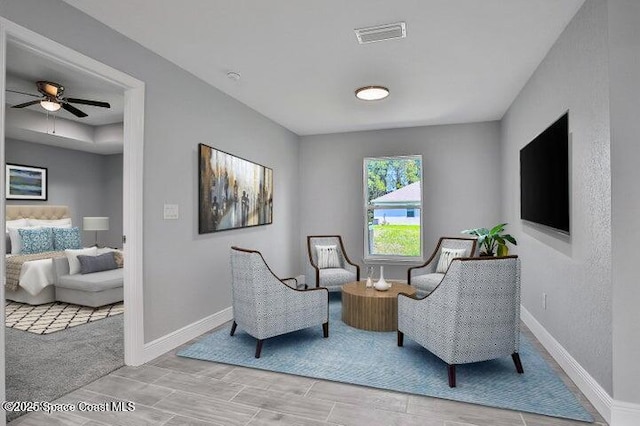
[[544, 177]]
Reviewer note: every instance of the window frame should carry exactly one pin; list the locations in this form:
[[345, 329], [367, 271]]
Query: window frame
[[387, 258]]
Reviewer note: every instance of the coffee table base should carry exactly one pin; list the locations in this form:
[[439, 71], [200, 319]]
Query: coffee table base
[[370, 309]]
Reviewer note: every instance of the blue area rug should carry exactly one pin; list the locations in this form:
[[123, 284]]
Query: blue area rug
[[348, 356]]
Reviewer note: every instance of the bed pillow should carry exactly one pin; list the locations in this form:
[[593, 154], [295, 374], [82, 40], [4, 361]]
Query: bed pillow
[[36, 240], [66, 238], [328, 257], [51, 223], [446, 256], [16, 239], [7, 243], [72, 257], [18, 223], [101, 262], [118, 256]]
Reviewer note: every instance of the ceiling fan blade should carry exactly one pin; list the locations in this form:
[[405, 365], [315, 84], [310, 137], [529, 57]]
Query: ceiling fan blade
[[88, 102], [73, 110], [26, 104], [23, 93]]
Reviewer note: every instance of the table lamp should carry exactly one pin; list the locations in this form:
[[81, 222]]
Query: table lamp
[[95, 224]]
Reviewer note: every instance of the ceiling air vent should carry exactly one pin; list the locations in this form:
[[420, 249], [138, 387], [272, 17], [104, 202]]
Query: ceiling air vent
[[381, 32]]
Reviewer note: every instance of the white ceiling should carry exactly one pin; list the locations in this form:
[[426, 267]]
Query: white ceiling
[[462, 60]]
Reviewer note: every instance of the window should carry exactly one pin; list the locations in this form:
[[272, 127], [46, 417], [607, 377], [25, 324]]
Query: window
[[392, 208]]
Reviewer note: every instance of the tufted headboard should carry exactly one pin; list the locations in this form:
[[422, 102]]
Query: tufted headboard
[[15, 211]]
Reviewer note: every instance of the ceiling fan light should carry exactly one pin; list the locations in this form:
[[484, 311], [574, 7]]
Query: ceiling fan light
[[50, 105], [372, 93]]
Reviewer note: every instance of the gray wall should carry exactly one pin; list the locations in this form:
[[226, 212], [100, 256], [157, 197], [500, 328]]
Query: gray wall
[[574, 272], [624, 59], [112, 200], [186, 275], [461, 181], [90, 184]]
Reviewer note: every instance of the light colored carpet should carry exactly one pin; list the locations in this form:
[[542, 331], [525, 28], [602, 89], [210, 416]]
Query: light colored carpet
[[45, 367], [55, 316], [373, 359]]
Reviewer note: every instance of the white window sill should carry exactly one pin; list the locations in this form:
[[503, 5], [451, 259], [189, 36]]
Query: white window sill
[[372, 261]]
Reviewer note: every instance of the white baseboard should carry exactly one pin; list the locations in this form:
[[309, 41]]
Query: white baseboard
[[595, 393], [625, 414], [172, 340]]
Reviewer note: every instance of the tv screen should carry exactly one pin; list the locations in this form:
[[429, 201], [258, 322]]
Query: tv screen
[[544, 177]]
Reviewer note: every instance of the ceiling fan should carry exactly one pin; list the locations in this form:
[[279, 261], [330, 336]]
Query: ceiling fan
[[52, 99]]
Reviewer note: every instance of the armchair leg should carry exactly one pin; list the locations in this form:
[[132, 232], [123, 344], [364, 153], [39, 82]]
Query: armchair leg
[[259, 348], [233, 328], [400, 338], [516, 360], [452, 375], [325, 330]]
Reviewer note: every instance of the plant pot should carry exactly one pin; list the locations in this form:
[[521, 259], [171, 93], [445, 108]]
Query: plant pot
[[503, 250]]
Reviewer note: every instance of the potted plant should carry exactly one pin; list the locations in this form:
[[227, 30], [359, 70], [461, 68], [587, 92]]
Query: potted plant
[[492, 241]]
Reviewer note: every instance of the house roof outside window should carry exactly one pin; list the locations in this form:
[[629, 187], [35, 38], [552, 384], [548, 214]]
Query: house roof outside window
[[406, 196]]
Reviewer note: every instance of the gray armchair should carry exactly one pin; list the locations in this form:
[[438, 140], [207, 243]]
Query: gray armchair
[[425, 278], [472, 316], [333, 278], [265, 306]]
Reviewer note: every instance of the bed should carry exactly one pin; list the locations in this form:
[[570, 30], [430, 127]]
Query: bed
[[35, 285]]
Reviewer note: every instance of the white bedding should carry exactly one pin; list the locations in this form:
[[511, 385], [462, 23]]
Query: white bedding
[[35, 275]]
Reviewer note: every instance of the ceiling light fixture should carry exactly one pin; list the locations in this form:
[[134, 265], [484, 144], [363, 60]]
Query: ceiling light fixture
[[372, 93], [50, 105]]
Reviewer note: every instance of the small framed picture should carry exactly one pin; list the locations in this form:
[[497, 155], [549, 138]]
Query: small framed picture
[[26, 182]]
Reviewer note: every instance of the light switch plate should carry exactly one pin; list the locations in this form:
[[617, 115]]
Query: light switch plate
[[171, 211]]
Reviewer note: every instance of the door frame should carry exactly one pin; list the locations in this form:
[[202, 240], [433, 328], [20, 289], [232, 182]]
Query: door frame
[[134, 95]]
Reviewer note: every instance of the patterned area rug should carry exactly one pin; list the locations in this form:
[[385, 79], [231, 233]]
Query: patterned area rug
[[373, 359], [56, 316]]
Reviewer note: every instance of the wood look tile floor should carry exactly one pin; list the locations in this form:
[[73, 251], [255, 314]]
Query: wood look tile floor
[[174, 391]]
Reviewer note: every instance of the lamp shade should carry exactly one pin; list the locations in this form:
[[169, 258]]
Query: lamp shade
[[95, 223]]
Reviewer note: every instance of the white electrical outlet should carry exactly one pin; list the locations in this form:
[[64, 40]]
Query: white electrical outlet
[[544, 300]]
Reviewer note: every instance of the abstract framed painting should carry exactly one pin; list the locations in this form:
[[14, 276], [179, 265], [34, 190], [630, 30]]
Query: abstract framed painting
[[233, 192], [26, 182]]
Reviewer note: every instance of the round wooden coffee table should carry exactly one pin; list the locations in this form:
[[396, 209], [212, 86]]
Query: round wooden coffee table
[[370, 309]]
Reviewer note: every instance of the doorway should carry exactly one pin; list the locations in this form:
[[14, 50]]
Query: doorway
[[133, 90]]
